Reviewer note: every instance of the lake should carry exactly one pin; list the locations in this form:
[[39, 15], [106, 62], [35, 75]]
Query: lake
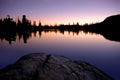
[[90, 47]]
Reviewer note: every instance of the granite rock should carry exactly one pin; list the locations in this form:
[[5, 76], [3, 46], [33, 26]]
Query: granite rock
[[39, 66]]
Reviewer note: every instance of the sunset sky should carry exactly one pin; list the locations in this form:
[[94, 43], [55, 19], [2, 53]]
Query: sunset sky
[[60, 11]]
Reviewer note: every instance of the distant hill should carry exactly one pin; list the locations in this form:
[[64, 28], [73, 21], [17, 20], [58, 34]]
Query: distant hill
[[111, 28], [112, 20]]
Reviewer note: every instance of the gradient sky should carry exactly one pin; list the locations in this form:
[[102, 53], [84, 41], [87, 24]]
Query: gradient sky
[[60, 11]]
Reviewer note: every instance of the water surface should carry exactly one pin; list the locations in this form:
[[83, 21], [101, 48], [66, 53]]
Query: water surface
[[89, 47]]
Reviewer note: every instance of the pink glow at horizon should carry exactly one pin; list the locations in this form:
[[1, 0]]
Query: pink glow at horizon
[[53, 12], [53, 20]]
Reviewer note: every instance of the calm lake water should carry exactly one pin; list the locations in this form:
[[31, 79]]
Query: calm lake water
[[90, 47]]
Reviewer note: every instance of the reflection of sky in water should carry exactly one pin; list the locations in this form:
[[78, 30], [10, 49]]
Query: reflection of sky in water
[[92, 48]]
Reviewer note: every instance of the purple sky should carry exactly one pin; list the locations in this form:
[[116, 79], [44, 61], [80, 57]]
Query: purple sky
[[60, 11]]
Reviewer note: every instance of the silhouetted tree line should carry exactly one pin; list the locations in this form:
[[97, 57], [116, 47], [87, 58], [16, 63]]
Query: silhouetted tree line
[[9, 29]]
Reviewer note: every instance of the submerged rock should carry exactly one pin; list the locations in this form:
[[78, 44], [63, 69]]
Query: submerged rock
[[39, 66]]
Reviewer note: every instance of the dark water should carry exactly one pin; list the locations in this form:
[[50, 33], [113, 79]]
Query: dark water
[[90, 47]]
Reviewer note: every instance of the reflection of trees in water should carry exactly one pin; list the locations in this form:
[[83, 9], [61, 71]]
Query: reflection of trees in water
[[25, 36], [12, 36], [9, 29], [9, 36]]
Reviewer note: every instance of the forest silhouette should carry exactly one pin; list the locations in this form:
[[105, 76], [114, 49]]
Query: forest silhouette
[[10, 29]]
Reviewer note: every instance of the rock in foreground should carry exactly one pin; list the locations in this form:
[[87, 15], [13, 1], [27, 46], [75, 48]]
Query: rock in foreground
[[39, 66]]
